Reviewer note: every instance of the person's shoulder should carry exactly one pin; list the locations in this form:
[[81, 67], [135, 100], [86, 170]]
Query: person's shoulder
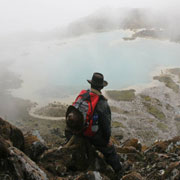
[[102, 98], [103, 102]]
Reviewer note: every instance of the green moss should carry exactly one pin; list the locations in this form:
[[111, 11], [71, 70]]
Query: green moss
[[168, 82], [116, 124], [124, 95], [118, 110], [146, 98], [150, 99], [163, 127], [154, 111]]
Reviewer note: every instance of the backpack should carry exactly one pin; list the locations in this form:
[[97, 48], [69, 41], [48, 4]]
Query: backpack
[[86, 102]]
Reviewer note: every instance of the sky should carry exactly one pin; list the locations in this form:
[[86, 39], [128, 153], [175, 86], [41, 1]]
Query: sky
[[43, 15]]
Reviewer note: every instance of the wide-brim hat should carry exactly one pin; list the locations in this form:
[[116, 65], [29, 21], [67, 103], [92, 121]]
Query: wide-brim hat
[[98, 80]]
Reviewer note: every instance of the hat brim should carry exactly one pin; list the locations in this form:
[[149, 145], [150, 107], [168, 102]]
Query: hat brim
[[105, 83]]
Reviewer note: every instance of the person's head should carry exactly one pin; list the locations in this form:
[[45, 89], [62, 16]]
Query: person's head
[[97, 82]]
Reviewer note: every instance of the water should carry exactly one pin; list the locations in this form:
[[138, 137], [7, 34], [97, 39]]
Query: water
[[55, 69]]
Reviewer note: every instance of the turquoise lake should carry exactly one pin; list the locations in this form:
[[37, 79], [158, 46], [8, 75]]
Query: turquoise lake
[[55, 69]]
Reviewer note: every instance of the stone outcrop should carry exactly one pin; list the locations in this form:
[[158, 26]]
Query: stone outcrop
[[15, 165], [33, 147], [79, 160], [11, 134]]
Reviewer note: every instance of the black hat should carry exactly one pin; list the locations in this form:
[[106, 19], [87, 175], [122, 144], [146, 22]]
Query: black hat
[[98, 80]]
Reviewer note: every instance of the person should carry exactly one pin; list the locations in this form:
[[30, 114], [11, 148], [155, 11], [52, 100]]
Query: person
[[101, 139]]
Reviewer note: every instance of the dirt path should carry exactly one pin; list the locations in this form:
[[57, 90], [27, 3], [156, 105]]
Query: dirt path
[[32, 114]]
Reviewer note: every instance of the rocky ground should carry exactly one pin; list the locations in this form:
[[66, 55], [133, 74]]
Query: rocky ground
[[154, 33], [148, 115], [24, 156], [55, 109], [145, 128], [151, 114]]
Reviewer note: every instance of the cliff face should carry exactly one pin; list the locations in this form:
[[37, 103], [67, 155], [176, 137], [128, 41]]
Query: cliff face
[[78, 160]]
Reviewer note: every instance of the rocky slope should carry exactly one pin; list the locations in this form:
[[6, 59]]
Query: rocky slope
[[145, 126], [150, 114], [30, 159], [155, 24]]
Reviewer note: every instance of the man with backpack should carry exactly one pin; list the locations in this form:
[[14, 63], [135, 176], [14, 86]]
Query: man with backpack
[[95, 120]]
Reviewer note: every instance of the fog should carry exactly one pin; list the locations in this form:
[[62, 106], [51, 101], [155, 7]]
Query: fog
[[30, 29], [43, 15]]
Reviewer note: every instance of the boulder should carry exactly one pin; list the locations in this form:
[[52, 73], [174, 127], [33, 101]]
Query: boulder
[[78, 155], [12, 134], [133, 176], [4, 145], [33, 147], [16, 165], [92, 175]]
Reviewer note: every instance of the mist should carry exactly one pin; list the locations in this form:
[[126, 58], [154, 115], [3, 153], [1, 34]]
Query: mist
[[44, 15], [34, 32]]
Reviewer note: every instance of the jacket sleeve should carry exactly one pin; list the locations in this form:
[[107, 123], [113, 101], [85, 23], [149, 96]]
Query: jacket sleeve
[[105, 119]]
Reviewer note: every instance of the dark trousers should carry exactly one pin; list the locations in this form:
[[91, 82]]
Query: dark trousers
[[109, 152]]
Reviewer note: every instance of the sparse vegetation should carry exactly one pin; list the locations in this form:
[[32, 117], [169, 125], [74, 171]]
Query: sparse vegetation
[[154, 111], [124, 95], [116, 124], [151, 99], [53, 110], [168, 82], [146, 98], [163, 127], [118, 110]]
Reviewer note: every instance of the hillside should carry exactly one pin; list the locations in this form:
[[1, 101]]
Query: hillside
[[25, 156], [151, 114], [155, 24]]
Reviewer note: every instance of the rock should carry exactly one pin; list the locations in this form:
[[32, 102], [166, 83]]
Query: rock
[[12, 134], [4, 145], [33, 147], [165, 146], [133, 176], [92, 175], [130, 150], [16, 165], [173, 171], [177, 118], [79, 160], [134, 143], [77, 155]]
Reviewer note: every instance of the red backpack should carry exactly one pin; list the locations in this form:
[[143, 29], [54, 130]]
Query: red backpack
[[86, 102]]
